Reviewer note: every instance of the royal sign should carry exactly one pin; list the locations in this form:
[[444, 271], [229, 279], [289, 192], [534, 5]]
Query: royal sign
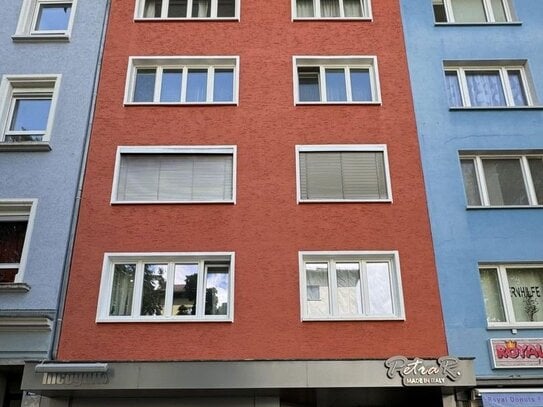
[[421, 372], [517, 353]]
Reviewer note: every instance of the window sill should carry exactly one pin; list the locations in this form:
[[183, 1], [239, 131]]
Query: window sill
[[514, 327], [477, 108], [196, 104], [14, 287], [25, 324], [317, 201], [171, 202], [483, 24], [368, 19], [352, 318], [505, 207], [161, 320], [376, 103], [185, 19], [41, 38], [25, 146]]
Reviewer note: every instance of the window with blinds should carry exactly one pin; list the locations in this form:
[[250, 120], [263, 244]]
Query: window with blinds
[[343, 175], [177, 177]]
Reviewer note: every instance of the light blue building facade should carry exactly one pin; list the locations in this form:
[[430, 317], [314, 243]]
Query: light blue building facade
[[477, 79], [49, 58]]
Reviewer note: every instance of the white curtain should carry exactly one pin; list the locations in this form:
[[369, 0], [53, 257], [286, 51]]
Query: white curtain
[[453, 89], [330, 8], [349, 294], [304, 8], [515, 81], [201, 8], [491, 295], [353, 8], [152, 7], [485, 88], [123, 289]]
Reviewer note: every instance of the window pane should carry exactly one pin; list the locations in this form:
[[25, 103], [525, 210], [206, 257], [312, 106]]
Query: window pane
[[152, 8], [379, 289], [352, 8], [171, 85], [123, 289], [330, 8], [499, 11], [8, 275], [335, 85], [53, 17], [185, 289], [519, 95], [439, 11], [308, 81], [536, 169], [349, 291], [223, 86], [525, 289], [145, 85], [217, 282], [226, 8], [470, 182], [505, 183], [177, 9], [154, 289], [492, 295], [361, 85], [318, 302], [485, 88], [12, 238], [197, 85], [201, 8], [30, 114], [453, 89], [468, 11], [304, 8]]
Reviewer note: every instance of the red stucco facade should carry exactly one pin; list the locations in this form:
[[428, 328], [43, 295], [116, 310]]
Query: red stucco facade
[[266, 228]]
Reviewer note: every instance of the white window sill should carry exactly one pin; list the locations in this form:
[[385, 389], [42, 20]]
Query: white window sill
[[484, 23], [369, 19], [302, 201], [41, 38], [25, 146], [460, 108], [374, 103], [506, 207], [352, 318], [231, 202], [162, 104], [14, 287], [535, 325], [196, 19], [160, 320]]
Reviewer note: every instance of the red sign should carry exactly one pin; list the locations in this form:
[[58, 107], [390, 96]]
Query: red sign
[[517, 353]]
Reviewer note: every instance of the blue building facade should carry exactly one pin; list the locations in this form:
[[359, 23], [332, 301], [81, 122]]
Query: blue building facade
[[477, 78], [49, 55]]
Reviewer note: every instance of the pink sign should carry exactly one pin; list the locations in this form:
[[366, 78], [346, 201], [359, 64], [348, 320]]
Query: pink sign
[[517, 353]]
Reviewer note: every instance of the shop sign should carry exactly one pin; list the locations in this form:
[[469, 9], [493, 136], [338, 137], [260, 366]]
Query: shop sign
[[517, 353], [75, 379], [421, 372], [512, 399]]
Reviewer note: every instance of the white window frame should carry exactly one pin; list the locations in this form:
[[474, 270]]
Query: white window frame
[[28, 19], [504, 78], [335, 62], [106, 285], [19, 210], [227, 149], [140, 6], [489, 13], [481, 180], [382, 148], [185, 62], [392, 257], [507, 303], [366, 11], [14, 86]]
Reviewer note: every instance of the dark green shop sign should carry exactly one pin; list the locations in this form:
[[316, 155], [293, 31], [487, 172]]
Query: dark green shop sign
[[421, 372]]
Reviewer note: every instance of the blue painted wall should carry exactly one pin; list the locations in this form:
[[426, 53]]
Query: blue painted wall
[[463, 238], [50, 177]]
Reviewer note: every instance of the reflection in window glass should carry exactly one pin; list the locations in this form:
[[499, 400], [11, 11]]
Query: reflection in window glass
[[217, 281], [517, 88], [185, 289], [470, 182], [318, 303], [379, 289], [123, 289], [177, 9], [492, 295], [197, 85], [336, 90], [12, 238], [453, 89], [468, 11], [53, 17], [308, 81], [536, 170], [145, 85], [361, 85], [349, 294], [171, 85], [304, 8], [499, 11], [505, 182], [30, 114], [226, 8], [154, 289], [223, 88]]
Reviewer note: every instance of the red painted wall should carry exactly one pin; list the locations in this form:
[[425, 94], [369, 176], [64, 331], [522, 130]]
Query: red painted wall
[[266, 228]]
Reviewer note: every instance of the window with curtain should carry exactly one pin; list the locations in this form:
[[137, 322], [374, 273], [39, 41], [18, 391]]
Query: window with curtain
[[332, 9], [512, 294], [351, 286], [175, 177], [488, 86], [497, 180], [473, 11], [180, 287], [337, 175], [13, 234], [188, 9]]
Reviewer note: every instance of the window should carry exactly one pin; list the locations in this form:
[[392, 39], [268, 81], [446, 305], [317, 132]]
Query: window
[[473, 11], [350, 285], [175, 175], [15, 226], [331, 9], [336, 80], [27, 104], [167, 287], [183, 80], [187, 9], [513, 294], [345, 173], [503, 180], [481, 85], [45, 20]]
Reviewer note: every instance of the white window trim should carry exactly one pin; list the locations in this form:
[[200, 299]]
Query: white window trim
[[106, 285], [366, 8], [28, 17], [14, 85], [5, 214], [504, 78], [506, 298], [231, 149], [343, 147], [481, 180], [186, 62], [489, 12], [345, 62], [140, 5], [391, 256]]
